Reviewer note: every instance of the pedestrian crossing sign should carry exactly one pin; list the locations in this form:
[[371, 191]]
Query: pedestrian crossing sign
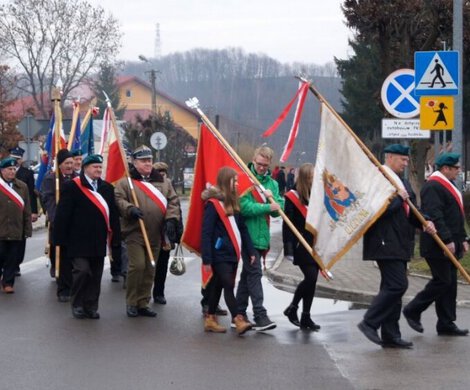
[[436, 113], [437, 73]]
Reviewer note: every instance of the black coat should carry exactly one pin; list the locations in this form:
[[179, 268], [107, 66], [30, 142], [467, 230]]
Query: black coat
[[27, 176], [442, 208], [391, 236], [80, 226], [212, 229], [301, 255]]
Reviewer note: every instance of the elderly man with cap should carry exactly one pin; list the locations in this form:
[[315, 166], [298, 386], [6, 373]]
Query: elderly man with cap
[[48, 196], [388, 242], [85, 221], [15, 221], [159, 209], [442, 202], [26, 176]]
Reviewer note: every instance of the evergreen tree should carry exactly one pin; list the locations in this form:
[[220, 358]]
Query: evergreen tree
[[107, 81]]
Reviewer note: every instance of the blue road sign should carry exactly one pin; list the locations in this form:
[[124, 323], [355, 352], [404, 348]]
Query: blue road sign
[[398, 94], [437, 73]]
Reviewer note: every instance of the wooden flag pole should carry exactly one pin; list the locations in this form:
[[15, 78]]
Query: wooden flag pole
[[129, 180], [76, 112], [88, 115], [413, 208], [57, 127], [194, 103]]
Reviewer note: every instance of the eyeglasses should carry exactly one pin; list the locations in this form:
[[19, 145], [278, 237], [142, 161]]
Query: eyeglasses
[[261, 165]]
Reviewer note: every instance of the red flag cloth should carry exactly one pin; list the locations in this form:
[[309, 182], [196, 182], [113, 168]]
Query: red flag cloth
[[211, 156], [114, 164], [295, 125]]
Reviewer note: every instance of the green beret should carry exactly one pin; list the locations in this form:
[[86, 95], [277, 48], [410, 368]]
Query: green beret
[[92, 159], [398, 149], [77, 152], [8, 162], [142, 152], [449, 159]]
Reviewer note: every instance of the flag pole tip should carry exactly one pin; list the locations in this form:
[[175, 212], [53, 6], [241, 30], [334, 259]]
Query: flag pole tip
[[193, 102]]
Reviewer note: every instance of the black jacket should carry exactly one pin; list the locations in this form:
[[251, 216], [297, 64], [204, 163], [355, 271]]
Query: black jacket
[[80, 226], [391, 236], [213, 228], [27, 176], [443, 209], [301, 255]]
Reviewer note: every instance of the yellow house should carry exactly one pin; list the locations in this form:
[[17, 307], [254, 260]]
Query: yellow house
[[136, 96]]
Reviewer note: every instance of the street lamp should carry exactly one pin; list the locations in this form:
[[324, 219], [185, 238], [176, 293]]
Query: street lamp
[[153, 79]]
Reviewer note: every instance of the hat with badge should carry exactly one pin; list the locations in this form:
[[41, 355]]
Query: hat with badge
[[397, 149], [17, 152], [92, 159], [76, 152], [449, 159], [142, 152], [8, 162]]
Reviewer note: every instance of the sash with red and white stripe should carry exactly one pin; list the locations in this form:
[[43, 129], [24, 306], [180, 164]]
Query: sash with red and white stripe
[[96, 199], [153, 193], [447, 184], [294, 197], [12, 194], [230, 225]]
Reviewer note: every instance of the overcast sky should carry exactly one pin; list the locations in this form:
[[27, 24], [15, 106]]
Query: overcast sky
[[288, 30]]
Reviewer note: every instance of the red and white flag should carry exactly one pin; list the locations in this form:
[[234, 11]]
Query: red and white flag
[[113, 162]]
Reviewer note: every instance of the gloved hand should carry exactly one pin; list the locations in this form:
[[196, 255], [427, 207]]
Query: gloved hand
[[170, 229], [136, 213], [288, 249]]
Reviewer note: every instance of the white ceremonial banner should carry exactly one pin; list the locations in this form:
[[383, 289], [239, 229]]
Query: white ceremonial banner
[[348, 192]]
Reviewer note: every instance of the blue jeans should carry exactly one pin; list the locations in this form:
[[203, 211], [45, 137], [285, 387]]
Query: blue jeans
[[250, 286]]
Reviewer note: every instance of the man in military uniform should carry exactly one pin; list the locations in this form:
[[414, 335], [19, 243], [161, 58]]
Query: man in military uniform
[[159, 209], [442, 202], [388, 242], [48, 195], [85, 219], [26, 176], [15, 221]]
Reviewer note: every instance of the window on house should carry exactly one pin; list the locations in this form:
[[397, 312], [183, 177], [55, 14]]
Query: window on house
[[128, 93]]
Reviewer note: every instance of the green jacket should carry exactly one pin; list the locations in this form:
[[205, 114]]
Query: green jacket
[[255, 213]]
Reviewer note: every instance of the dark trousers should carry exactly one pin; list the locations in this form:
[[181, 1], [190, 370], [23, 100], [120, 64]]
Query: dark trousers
[[65, 280], [9, 260], [385, 309], [441, 289], [86, 287], [224, 279], [305, 291], [250, 286], [21, 253], [161, 269]]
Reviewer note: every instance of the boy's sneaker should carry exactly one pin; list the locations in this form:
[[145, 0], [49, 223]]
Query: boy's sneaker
[[264, 323]]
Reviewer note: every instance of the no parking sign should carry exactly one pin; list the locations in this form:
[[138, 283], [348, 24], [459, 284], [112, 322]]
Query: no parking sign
[[398, 94]]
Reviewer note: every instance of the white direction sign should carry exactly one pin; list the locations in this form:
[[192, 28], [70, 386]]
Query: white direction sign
[[403, 128], [437, 73], [398, 94], [158, 140]]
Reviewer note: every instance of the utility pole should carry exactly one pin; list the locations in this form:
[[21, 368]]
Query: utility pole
[[153, 82]]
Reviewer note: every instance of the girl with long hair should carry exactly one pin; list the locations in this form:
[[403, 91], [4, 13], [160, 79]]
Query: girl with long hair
[[224, 237], [296, 209]]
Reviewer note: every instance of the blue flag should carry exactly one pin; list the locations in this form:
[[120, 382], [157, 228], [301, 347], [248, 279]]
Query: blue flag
[[76, 142], [87, 139], [46, 160]]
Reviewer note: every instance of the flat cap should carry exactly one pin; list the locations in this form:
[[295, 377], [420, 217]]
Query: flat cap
[[142, 152], [397, 149], [92, 159], [8, 162], [449, 159], [161, 166]]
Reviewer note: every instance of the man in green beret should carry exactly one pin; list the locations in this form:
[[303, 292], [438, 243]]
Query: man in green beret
[[442, 202], [389, 242], [15, 221], [77, 161], [86, 218]]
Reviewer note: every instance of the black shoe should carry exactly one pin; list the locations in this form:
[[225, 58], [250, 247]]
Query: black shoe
[[92, 314], [78, 312], [146, 312], [115, 278], [63, 298], [369, 332], [132, 311], [264, 323], [291, 314], [413, 321], [397, 343], [452, 331], [220, 312], [159, 299], [307, 323]]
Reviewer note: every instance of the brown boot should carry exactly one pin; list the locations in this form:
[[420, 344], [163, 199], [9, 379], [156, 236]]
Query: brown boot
[[241, 325], [211, 324]]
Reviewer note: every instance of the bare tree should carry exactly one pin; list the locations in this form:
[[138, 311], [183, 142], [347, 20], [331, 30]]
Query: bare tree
[[56, 39]]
